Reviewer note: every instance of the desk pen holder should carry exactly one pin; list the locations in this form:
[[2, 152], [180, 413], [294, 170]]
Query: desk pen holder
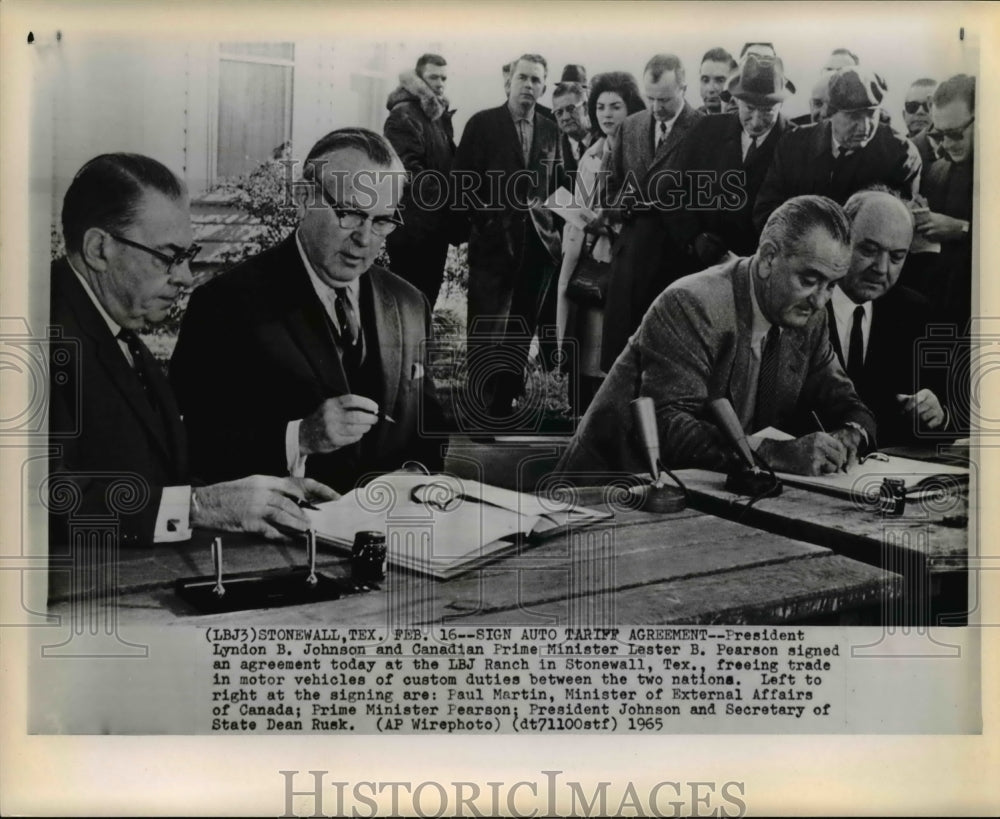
[[271, 588]]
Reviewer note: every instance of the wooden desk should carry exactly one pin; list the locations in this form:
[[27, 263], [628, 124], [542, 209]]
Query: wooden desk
[[931, 556], [639, 569]]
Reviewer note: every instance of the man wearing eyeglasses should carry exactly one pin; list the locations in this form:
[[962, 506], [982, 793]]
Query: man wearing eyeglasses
[[308, 359], [119, 448], [569, 106], [947, 187]]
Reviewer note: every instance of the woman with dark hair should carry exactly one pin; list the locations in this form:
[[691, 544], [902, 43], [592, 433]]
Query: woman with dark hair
[[613, 96]]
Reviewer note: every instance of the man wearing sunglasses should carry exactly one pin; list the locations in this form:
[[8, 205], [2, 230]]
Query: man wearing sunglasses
[[119, 448], [309, 358]]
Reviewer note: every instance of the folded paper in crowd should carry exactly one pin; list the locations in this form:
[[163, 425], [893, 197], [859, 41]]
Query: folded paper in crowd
[[564, 204], [919, 477], [442, 525]]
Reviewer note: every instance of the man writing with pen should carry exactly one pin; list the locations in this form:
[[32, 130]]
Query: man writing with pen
[[308, 359], [753, 331]]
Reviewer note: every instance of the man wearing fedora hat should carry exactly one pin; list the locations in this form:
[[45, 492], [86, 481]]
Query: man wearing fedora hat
[[736, 149], [850, 151]]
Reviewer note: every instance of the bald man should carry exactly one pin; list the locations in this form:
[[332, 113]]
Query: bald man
[[875, 325]]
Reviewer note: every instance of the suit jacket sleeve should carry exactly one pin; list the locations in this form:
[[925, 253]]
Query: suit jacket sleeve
[[75, 488], [234, 426], [679, 352], [906, 174], [470, 164], [829, 392]]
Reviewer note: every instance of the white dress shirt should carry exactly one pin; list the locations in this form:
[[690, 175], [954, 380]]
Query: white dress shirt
[[843, 312], [295, 460]]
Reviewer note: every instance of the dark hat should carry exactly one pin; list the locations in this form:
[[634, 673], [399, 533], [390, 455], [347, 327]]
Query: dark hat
[[574, 73], [760, 80], [854, 89]]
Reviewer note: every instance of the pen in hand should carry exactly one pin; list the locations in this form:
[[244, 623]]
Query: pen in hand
[[843, 466], [380, 415]]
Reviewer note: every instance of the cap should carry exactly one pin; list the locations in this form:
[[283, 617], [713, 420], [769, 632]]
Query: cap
[[854, 89]]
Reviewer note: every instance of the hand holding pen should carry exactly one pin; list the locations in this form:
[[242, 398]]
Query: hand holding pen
[[338, 422]]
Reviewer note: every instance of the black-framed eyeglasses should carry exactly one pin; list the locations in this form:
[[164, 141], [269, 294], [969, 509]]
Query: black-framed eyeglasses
[[353, 218], [179, 258], [954, 134], [913, 106]]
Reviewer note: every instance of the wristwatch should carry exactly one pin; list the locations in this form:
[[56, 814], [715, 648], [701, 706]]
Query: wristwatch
[[860, 429]]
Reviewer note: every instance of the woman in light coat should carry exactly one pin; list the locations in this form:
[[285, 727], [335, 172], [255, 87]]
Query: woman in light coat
[[613, 96]]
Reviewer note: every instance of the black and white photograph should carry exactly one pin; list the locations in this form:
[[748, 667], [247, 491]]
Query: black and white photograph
[[617, 374]]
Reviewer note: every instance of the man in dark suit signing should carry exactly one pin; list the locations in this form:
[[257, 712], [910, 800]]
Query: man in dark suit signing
[[875, 324], [753, 331], [308, 358], [646, 145], [119, 448], [506, 165]]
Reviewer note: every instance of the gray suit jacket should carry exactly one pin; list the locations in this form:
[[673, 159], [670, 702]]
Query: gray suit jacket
[[640, 266], [694, 346], [634, 160]]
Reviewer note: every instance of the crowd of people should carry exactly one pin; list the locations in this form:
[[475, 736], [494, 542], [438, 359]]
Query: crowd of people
[[791, 267]]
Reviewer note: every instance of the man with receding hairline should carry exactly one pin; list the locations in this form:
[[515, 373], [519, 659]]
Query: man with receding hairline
[[876, 324], [113, 420], [753, 331], [309, 358], [645, 145]]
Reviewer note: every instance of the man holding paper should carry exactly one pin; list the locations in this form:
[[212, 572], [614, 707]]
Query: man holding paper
[[753, 331]]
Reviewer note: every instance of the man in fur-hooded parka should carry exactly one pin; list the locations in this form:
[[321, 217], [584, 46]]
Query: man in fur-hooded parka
[[419, 128]]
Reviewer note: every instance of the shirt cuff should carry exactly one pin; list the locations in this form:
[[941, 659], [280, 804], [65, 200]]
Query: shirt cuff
[[173, 518], [294, 459]]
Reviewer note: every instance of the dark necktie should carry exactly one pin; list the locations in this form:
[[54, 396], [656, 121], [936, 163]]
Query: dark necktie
[[856, 351], [138, 362], [661, 134], [349, 331], [767, 380], [751, 152]]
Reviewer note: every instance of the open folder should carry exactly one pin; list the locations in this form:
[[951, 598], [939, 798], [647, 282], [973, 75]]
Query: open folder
[[442, 525], [864, 478]]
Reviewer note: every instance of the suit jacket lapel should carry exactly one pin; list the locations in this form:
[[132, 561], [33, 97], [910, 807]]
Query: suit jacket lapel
[[831, 324], [389, 329], [506, 122], [677, 132], [308, 323], [738, 383], [112, 359]]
